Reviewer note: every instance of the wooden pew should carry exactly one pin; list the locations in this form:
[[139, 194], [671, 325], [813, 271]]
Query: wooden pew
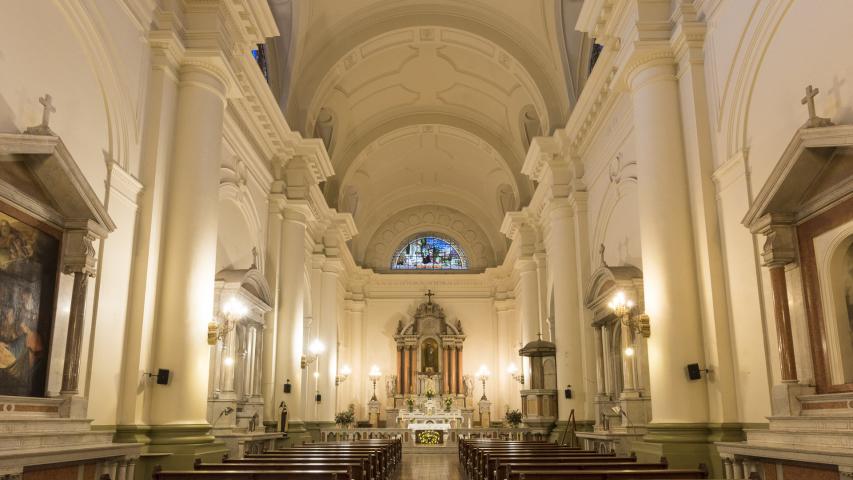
[[569, 474], [496, 465], [357, 470], [376, 468], [503, 468], [481, 456], [251, 475]]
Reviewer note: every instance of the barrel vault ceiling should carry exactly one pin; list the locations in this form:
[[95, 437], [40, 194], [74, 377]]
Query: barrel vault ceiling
[[427, 109]]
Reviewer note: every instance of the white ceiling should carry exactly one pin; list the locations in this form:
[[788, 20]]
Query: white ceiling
[[426, 108]]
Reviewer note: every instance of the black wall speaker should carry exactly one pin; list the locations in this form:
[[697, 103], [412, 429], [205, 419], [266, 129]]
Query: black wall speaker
[[568, 391], [318, 398], [693, 371], [287, 386], [163, 376]]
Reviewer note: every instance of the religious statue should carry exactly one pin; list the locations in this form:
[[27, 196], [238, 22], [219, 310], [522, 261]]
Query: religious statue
[[390, 386], [468, 384], [283, 419], [430, 355]]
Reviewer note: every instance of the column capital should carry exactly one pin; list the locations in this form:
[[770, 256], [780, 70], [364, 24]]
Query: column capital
[[649, 64], [521, 227], [333, 266], [78, 253], [780, 244], [209, 73]]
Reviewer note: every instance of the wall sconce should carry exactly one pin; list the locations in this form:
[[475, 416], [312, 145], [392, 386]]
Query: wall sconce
[[483, 375], [315, 348], [343, 375], [513, 371], [630, 316], [374, 375], [231, 311]]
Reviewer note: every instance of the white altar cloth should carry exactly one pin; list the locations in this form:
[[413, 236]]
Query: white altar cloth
[[405, 417], [430, 426]]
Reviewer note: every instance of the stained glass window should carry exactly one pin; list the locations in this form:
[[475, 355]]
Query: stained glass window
[[429, 252], [260, 54]]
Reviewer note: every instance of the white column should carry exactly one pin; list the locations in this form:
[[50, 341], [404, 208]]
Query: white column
[[291, 292], [229, 363], [563, 267], [669, 263], [529, 299], [358, 378], [189, 252], [328, 334], [158, 133], [272, 271]]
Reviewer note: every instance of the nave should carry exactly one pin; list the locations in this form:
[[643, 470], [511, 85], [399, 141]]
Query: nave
[[475, 459]]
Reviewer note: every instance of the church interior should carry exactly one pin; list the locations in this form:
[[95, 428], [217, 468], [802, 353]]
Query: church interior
[[417, 239]]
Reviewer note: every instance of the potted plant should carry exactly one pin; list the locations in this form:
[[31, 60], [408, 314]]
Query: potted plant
[[513, 418], [430, 393], [345, 418], [448, 403], [410, 403]]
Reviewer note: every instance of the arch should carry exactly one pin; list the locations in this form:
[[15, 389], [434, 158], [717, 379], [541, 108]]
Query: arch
[[237, 195], [348, 154], [482, 22], [429, 251], [442, 220]]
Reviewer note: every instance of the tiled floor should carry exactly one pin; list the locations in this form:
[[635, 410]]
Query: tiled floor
[[425, 466]]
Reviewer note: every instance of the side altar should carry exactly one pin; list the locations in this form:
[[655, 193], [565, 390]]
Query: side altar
[[429, 384]]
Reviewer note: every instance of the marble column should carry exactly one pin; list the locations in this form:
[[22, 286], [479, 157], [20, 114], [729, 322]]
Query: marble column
[[289, 322], [529, 299], [669, 262], [328, 334], [567, 338], [189, 261], [782, 315], [74, 340], [401, 377], [599, 362], [459, 370], [608, 363], [452, 364], [628, 381]]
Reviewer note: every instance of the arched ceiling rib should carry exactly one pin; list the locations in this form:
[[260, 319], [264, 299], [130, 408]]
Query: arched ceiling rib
[[427, 105]]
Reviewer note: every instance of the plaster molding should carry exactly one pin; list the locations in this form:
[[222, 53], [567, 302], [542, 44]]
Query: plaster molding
[[443, 220]]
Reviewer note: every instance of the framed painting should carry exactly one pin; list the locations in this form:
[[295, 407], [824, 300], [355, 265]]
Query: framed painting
[[29, 263]]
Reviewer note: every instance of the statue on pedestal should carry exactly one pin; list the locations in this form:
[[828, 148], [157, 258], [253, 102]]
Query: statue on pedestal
[[283, 418]]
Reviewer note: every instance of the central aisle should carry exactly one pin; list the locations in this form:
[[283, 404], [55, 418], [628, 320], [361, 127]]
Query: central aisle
[[426, 466]]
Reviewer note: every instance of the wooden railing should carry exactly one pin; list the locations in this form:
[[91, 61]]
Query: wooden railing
[[407, 436]]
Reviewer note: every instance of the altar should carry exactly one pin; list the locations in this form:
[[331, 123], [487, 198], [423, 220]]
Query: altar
[[451, 419]]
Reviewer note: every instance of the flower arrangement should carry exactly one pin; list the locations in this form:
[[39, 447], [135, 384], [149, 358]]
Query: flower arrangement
[[429, 393], [345, 418], [513, 418], [410, 402], [448, 403], [429, 437]]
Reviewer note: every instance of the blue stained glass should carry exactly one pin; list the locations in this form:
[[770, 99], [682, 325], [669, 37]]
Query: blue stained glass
[[429, 253]]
